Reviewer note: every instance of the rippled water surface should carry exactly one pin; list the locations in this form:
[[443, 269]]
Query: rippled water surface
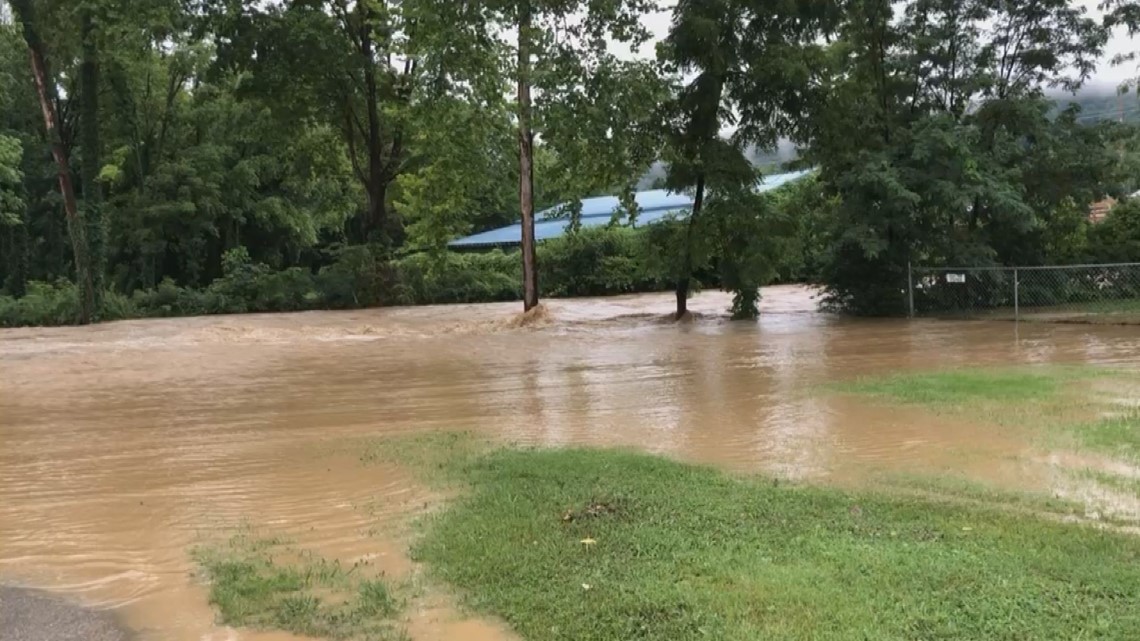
[[124, 445]]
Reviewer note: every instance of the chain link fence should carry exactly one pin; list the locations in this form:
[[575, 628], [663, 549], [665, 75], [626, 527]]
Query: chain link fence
[[1070, 293]]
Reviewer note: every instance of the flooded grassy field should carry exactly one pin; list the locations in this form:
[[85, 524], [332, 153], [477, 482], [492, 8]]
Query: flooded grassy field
[[125, 446]]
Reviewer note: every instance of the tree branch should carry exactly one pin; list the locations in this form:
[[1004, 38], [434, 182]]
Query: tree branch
[[340, 8], [173, 88], [352, 118]]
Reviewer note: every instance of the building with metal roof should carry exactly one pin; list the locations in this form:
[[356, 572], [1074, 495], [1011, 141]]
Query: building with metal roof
[[652, 206]]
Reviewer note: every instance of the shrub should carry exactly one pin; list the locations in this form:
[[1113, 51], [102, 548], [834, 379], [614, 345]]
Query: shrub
[[1117, 238], [285, 291], [589, 262], [356, 279], [117, 306], [864, 286], [43, 304], [460, 278], [595, 261]]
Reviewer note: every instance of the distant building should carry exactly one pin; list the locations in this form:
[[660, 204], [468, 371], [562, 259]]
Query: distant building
[[1098, 211], [652, 206]]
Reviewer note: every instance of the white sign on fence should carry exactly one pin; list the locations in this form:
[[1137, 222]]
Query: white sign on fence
[[955, 278]]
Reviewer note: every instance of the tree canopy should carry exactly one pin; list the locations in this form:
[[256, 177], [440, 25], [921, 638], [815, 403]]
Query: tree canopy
[[173, 143]]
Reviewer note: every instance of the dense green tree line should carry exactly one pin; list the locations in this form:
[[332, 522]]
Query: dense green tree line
[[240, 156]]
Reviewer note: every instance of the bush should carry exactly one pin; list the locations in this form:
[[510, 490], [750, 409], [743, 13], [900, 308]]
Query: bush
[[595, 261], [43, 304], [459, 278], [116, 306], [864, 286], [356, 279], [590, 262], [1117, 238]]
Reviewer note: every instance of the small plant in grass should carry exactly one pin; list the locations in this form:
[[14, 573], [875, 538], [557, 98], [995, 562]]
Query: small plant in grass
[[262, 584]]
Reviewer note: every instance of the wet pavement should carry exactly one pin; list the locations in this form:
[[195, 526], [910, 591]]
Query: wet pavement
[[26, 615]]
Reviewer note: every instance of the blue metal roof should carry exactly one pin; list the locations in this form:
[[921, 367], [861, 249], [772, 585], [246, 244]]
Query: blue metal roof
[[606, 205], [653, 206]]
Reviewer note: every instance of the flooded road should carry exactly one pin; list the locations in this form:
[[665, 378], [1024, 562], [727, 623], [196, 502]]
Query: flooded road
[[124, 445]]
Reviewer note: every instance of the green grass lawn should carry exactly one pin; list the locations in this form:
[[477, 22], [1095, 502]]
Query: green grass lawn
[[610, 545]]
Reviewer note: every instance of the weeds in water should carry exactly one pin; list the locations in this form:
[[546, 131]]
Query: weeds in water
[[262, 584], [432, 454], [694, 553]]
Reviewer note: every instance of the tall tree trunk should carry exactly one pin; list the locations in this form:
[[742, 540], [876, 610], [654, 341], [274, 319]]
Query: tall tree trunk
[[526, 162], [686, 275], [376, 187], [45, 90], [92, 157], [377, 209]]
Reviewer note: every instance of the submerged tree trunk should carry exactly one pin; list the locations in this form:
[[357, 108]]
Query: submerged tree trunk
[[92, 158], [686, 275], [45, 90], [526, 163]]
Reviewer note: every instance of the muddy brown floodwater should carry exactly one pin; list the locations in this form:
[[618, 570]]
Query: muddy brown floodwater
[[124, 445]]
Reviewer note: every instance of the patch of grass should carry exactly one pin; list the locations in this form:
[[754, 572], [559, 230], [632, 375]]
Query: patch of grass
[[1118, 306], [1056, 402], [1117, 435], [960, 386], [685, 552], [1113, 494], [433, 454], [259, 583], [1121, 305], [953, 488], [1117, 482]]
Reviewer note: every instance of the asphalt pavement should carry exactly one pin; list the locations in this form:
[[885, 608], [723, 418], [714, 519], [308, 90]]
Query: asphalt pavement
[[28, 615]]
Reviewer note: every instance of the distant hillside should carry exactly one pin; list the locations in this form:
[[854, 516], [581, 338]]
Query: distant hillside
[[1100, 104], [765, 160], [1095, 105]]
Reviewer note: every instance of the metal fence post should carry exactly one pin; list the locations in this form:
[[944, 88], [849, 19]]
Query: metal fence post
[[909, 291], [1016, 302]]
